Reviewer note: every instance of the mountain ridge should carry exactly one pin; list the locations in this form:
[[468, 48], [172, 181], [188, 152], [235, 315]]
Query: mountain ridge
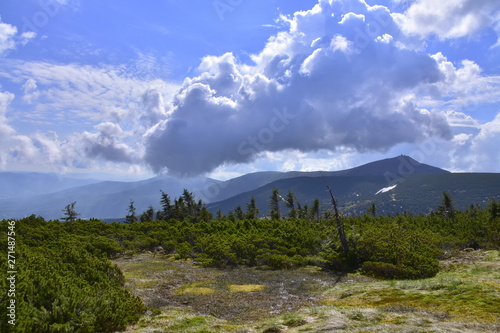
[[110, 199]]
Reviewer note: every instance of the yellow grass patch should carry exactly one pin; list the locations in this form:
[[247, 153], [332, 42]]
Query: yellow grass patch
[[247, 288], [197, 288], [197, 291]]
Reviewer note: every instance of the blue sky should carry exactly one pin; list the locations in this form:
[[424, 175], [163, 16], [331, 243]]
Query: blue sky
[[226, 87]]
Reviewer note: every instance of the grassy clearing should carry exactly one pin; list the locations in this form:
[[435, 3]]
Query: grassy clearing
[[464, 297]]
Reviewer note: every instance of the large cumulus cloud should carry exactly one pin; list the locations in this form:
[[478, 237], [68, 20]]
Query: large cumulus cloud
[[342, 75], [450, 18]]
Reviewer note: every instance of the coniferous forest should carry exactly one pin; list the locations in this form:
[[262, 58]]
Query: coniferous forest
[[66, 281]]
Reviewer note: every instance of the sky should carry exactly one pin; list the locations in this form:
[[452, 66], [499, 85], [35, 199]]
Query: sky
[[221, 88]]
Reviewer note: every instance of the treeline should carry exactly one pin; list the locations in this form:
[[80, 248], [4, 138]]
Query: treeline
[[67, 282], [186, 206]]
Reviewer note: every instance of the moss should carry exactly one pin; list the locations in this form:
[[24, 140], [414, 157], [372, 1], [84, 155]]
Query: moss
[[198, 288], [465, 300], [188, 322], [471, 291], [235, 288], [198, 291]]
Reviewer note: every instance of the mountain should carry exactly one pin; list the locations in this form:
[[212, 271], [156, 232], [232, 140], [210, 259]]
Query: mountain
[[306, 189], [391, 169], [105, 199], [416, 193], [402, 166], [395, 185], [15, 184]]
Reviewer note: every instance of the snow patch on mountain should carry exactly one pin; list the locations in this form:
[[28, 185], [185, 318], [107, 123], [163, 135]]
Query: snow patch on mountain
[[386, 189]]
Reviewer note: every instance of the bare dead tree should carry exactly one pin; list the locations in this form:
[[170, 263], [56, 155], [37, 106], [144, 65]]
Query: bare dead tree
[[338, 219]]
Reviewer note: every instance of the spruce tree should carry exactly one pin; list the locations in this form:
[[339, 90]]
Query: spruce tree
[[252, 210], [166, 206], [447, 209], [238, 212], [274, 201], [70, 213], [148, 215], [290, 204], [315, 210], [132, 216]]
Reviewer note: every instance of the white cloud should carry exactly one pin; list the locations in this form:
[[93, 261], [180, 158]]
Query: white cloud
[[108, 144], [7, 34], [30, 90], [105, 147], [81, 93], [449, 18], [462, 138], [9, 38], [485, 146], [26, 37], [478, 151], [97, 102], [5, 99], [343, 79], [326, 83], [455, 118], [465, 85], [385, 38]]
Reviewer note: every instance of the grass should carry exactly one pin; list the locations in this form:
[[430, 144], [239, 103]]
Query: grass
[[464, 296], [246, 288]]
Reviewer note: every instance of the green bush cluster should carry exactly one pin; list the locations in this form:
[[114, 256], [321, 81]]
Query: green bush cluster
[[66, 282]]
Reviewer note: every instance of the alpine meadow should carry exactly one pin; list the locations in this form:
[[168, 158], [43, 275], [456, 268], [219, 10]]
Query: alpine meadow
[[264, 166]]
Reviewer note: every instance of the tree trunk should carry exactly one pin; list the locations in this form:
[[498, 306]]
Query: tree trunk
[[340, 224]]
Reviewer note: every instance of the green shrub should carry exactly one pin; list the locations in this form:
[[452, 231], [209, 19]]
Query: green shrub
[[63, 287], [396, 251]]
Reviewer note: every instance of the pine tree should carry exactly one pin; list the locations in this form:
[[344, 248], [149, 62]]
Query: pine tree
[[274, 201], [166, 206], [315, 210], [179, 210], [70, 213], [290, 204], [148, 215], [446, 209], [252, 210], [205, 215], [372, 209], [132, 216], [493, 209], [238, 212], [304, 212], [191, 206]]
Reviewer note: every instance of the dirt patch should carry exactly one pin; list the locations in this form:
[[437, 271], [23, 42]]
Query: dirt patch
[[241, 294]]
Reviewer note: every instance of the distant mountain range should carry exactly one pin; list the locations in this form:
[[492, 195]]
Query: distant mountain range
[[395, 185]]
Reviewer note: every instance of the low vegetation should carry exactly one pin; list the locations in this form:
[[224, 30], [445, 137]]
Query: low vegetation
[[273, 267], [463, 297]]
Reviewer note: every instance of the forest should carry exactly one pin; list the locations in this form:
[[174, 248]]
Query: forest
[[67, 283]]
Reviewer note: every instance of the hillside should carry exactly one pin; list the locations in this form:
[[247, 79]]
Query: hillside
[[400, 166], [107, 199], [419, 193], [17, 184]]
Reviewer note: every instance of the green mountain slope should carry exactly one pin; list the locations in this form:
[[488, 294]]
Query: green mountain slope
[[417, 193]]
